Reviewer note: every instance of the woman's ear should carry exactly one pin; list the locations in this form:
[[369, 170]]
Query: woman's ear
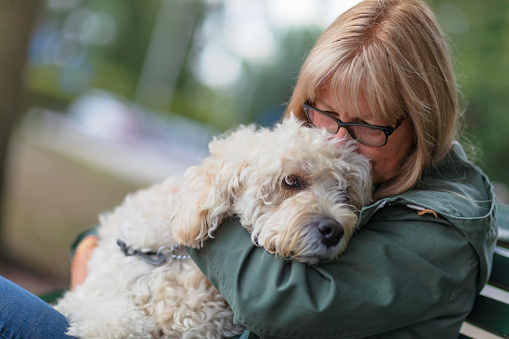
[[359, 182]]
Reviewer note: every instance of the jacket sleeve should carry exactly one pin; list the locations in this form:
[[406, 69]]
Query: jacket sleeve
[[399, 269]]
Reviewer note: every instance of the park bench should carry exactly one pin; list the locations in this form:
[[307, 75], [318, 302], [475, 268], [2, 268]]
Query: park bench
[[490, 315]]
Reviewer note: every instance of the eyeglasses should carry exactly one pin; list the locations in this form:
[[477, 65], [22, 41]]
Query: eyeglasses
[[366, 134]]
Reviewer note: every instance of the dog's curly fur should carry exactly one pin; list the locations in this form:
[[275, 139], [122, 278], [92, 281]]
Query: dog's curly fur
[[280, 183]]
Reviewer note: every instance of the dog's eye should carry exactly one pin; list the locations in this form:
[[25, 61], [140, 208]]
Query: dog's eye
[[291, 181]]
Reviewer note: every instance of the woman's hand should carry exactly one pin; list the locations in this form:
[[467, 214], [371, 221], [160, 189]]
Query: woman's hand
[[79, 264]]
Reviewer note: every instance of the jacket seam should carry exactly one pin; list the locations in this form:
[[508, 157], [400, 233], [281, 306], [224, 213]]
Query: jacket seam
[[458, 288]]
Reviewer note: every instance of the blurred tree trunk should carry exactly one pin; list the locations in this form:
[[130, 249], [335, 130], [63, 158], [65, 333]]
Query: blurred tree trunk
[[17, 19]]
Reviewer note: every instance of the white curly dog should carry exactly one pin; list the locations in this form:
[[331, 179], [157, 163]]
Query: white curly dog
[[293, 187]]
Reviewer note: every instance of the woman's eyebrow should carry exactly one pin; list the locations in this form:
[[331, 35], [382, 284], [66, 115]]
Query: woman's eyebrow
[[328, 108], [357, 118]]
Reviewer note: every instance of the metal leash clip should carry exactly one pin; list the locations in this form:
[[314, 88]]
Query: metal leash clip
[[152, 257]]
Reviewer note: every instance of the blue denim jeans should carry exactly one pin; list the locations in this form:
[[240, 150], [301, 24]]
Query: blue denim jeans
[[24, 315]]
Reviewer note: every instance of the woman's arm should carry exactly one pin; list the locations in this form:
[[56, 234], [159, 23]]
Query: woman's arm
[[394, 274]]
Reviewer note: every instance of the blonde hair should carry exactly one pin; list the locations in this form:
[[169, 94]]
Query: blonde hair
[[394, 55]]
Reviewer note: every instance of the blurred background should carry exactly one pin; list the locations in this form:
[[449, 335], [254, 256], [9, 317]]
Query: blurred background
[[100, 98]]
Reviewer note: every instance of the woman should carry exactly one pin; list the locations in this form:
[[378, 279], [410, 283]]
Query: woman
[[380, 74]]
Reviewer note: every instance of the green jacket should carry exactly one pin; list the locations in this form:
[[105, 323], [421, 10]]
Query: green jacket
[[403, 275]]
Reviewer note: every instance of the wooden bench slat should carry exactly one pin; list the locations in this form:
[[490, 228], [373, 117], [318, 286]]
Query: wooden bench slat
[[503, 216], [503, 225], [471, 331], [491, 315], [500, 272]]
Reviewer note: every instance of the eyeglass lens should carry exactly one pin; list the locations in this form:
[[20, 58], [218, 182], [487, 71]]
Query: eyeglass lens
[[364, 134]]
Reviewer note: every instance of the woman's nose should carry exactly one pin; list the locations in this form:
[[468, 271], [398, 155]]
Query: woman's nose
[[342, 134]]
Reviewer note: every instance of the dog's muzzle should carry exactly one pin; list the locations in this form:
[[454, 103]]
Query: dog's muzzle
[[330, 230]]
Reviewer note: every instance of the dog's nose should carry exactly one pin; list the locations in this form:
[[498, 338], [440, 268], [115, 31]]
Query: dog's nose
[[331, 231]]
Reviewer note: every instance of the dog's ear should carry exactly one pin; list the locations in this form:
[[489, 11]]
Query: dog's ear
[[359, 188], [208, 191], [199, 208]]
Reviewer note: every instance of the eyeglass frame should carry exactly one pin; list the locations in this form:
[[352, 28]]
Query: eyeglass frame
[[388, 130]]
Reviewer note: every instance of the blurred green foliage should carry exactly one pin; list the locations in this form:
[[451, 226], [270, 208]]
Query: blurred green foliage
[[479, 32], [116, 65]]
